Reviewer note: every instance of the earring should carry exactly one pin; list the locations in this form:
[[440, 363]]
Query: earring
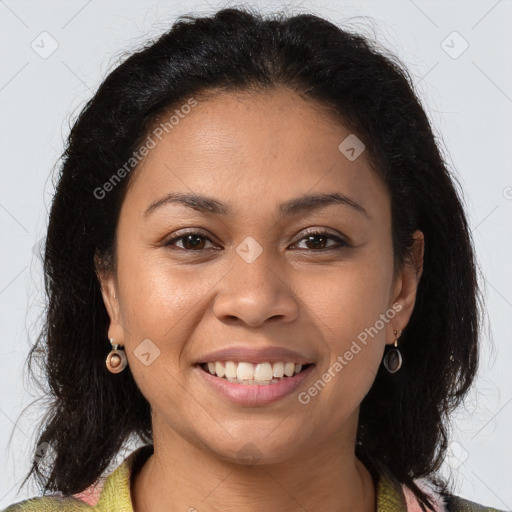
[[393, 358], [116, 360]]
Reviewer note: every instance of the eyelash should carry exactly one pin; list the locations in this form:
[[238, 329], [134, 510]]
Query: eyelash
[[315, 232]]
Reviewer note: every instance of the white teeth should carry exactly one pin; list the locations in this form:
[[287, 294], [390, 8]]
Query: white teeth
[[219, 369], [278, 369], [230, 369], [289, 368], [252, 373], [263, 371], [245, 371]]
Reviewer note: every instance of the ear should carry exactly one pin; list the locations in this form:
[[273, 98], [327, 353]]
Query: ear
[[108, 291], [405, 288]]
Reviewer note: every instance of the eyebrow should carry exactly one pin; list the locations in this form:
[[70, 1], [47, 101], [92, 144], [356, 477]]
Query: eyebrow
[[292, 207]]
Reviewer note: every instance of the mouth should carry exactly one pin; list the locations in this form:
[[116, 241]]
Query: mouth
[[253, 384], [254, 374]]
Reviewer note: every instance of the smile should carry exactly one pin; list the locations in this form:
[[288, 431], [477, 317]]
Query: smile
[[253, 384], [248, 373]]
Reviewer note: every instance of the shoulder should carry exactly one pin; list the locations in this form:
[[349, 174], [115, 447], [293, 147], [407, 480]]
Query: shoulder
[[458, 504], [48, 504], [442, 502], [108, 494]]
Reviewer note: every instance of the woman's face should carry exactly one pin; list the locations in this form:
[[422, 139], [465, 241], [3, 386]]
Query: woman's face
[[252, 277]]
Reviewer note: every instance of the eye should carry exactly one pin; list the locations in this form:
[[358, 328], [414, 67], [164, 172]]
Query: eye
[[319, 238], [194, 241], [191, 241]]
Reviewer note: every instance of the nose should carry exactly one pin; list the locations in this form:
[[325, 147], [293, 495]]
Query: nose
[[254, 293]]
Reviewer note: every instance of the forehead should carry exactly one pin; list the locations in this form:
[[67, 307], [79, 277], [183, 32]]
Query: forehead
[[250, 148]]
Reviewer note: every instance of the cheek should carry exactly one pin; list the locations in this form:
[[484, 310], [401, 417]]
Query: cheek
[[351, 298], [154, 286], [163, 302], [352, 312]]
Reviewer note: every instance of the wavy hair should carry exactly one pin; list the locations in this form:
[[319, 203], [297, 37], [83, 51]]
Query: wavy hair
[[403, 423]]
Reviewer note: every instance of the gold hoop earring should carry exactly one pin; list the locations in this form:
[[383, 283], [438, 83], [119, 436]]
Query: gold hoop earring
[[116, 360], [393, 359]]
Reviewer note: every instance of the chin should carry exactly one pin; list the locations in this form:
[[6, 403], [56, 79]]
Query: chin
[[257, 450]]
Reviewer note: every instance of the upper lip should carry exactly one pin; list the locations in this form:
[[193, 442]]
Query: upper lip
[[254, 355]]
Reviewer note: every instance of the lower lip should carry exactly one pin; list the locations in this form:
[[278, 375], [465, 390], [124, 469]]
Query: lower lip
[[255, 394]]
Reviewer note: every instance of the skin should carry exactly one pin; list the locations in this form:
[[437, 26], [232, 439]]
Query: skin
[[252, 152]]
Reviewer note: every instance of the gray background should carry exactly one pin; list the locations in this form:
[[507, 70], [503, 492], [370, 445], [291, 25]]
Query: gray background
[[468, 94]]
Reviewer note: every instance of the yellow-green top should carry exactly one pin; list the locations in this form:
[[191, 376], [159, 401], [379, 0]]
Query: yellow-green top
[[114, 495]]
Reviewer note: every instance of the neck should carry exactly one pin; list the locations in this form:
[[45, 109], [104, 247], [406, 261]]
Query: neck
[[180, 476]]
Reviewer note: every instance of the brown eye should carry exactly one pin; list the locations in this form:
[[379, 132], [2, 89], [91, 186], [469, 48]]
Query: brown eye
[[317, 241], [191, 241]]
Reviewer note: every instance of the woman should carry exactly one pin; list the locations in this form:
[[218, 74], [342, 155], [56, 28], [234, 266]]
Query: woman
[[254, 218]]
